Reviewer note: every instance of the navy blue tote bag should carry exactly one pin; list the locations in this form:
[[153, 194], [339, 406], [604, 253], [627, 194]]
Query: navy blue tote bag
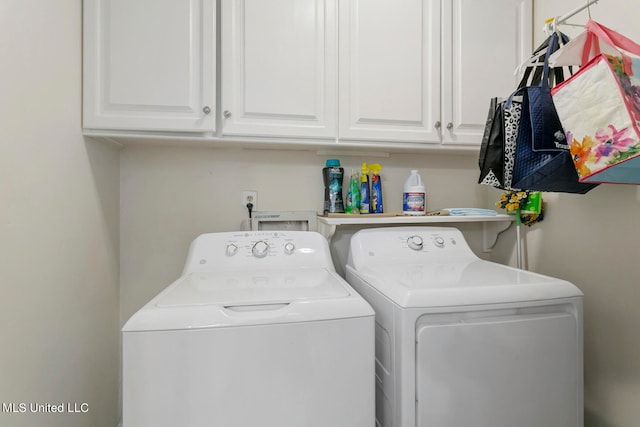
[[542, 161]]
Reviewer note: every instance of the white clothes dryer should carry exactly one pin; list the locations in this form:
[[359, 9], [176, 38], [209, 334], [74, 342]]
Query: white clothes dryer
[[465, 342], [258, 331]]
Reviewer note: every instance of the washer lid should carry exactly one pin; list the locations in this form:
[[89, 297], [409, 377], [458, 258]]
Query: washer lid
[[247, 298], [462, 283], [252, 288]]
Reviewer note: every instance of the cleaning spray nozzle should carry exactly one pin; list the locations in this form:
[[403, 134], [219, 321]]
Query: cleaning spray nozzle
[[375, 168]]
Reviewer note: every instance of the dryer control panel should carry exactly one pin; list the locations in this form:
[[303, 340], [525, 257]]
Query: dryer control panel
[[250, 250], [417, 242], [408, 245]]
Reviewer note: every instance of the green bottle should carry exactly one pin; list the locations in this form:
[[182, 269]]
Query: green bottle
[[353, 196]]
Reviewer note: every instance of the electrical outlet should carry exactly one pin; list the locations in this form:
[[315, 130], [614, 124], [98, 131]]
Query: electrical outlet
[[250, 197]]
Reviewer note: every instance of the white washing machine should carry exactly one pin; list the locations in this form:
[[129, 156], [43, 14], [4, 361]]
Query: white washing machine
[[464, 342], [258, 331]]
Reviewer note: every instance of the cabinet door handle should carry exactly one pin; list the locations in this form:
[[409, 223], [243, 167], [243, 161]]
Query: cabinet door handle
[[227, 114], [437, 124], [449, 125], [206, 109]]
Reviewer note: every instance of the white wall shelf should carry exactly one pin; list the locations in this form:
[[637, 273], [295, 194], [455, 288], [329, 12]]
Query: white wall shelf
[[492, 226]]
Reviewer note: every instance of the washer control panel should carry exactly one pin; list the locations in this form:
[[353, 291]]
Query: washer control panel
[[246, 249], [260, 245]]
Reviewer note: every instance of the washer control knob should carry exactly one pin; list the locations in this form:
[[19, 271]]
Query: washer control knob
[[289, 248], [260, 249], [231, 249], [438, 241], [415, 243]]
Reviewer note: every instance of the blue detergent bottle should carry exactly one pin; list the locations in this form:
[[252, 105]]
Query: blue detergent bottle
[[332, 175], [376, 188], [365, 206]]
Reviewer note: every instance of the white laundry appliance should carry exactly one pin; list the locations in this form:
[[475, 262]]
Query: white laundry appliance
[[258, 331], [463, 342]]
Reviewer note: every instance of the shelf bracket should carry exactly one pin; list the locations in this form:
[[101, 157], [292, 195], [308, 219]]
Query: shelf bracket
[[327, 230], [490, 232]]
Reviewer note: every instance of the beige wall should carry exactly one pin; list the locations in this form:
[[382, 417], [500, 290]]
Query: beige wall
[[59, 233], [593, 241]]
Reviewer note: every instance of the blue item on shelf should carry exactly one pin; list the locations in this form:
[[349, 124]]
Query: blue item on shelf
[[471, 211]]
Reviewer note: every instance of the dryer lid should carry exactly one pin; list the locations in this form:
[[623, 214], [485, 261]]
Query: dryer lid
[[252, 288], [462, 283]]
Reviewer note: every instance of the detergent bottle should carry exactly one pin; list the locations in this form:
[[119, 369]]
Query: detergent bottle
[[414, 199], [365, 206], [332, 176], [376, 188]]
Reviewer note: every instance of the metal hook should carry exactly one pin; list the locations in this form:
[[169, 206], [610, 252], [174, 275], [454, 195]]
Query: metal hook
[[550, 26]]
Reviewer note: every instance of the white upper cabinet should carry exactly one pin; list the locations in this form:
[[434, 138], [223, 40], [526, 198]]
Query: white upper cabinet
[[374, 73], [425, 70], [149, 65], [483, 44], [279, 68], [389, 69]]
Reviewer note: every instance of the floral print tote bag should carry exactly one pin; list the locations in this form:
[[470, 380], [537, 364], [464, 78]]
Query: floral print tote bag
[[599, 108]]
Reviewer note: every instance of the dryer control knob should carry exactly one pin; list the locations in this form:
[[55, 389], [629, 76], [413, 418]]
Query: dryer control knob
[[438, 241], [415, 243], [289, 248], [260, 249], [231, 249]]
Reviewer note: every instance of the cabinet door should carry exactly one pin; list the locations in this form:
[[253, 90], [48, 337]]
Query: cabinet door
[[390, 70], [149, 65], [483, 44], [278, 67]]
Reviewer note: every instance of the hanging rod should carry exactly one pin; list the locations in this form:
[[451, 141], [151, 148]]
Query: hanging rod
[[551, 23], [563, 18]]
